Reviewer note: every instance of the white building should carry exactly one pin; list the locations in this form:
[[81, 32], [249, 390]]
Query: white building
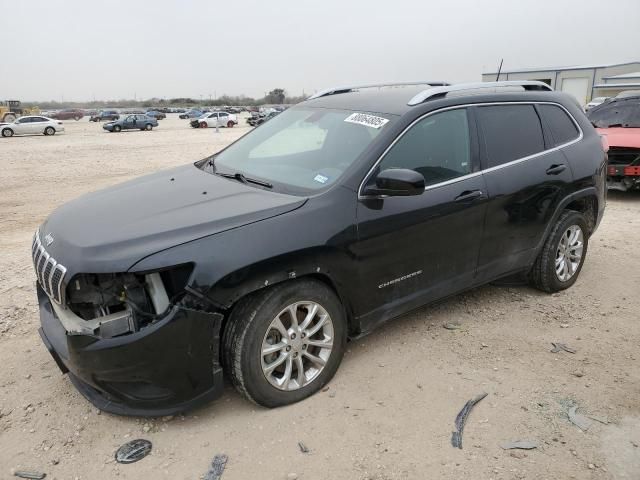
[[583, 82]]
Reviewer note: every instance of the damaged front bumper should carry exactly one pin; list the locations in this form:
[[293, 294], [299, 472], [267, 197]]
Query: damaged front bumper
[[168, 367]]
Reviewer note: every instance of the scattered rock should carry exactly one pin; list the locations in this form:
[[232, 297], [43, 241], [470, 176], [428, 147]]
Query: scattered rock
[[303, 447], [292, 476]]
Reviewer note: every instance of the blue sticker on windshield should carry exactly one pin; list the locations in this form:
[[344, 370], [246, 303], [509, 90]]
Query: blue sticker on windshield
[[321, 178]]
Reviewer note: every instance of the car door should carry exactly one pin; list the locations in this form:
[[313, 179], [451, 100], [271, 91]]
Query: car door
[[38, 124], [129, 122], [415, 249], [23, 126], [526, 177], [223, 118]]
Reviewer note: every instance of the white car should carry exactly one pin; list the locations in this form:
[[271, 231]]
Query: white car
[[222, 119], [32, 125], [595, 102]]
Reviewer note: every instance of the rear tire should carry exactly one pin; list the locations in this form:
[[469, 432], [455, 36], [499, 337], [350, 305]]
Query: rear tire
[[561, 249], [76, 118], [230, 124], [7, 132], [250, 326], [148, 127], [49, 131]]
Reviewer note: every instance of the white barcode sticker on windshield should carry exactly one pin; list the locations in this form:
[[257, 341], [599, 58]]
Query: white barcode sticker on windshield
[[367, 120]]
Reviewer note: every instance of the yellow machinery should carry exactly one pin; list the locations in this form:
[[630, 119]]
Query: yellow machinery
[[11, 109]]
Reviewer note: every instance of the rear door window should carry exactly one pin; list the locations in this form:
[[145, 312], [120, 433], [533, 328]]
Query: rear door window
[[563, 129], [510, 132]]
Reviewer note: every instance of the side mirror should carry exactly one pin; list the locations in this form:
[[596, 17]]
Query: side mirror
[[397, 182]]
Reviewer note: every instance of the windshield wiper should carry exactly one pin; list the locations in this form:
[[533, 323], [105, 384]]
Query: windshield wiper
[[242, 178]]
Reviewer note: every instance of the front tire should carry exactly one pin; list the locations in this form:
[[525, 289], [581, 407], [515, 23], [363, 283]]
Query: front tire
[[284, 343], [562, 256], [117, 128], [7, 132]]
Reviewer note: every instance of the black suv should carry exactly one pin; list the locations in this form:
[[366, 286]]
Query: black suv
[[347, 210]]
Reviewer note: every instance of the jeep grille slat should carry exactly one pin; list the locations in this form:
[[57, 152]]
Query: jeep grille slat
[[49, 272]]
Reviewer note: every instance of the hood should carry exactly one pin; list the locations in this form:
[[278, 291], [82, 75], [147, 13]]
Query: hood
[[112, 229], [621, 137]]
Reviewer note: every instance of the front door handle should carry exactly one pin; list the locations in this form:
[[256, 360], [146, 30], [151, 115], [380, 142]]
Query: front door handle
[[469, 195], [556, 169]]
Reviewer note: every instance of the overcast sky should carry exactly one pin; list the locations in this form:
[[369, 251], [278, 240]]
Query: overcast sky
[[85, 49]]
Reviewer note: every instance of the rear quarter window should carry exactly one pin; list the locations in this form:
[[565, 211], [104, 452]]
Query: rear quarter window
[[510, 132], [563, 129]]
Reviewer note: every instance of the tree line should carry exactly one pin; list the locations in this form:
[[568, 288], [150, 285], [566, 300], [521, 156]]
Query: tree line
[[277, 96]]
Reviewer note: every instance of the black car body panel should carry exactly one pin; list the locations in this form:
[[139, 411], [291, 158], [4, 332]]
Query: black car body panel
[[102, 233], [383, 256]]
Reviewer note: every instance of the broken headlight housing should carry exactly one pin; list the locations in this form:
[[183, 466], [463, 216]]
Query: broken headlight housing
[[119, 303]]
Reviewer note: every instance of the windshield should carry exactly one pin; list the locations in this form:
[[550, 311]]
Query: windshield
[[616, 114], [302, 149]]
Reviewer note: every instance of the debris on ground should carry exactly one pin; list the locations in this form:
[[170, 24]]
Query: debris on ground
[[452, 326], [603, 420], [558, 347], [519, 444], [30, 475], [217, 467], [133, 451], [456, 437], [582, 422], [303, 447]]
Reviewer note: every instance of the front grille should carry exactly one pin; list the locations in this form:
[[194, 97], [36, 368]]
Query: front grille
[[49, 272]]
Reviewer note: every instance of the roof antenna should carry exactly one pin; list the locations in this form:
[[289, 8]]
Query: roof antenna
[[499, 70]]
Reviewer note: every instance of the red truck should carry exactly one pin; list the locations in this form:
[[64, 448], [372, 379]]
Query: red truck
[[618, 121]]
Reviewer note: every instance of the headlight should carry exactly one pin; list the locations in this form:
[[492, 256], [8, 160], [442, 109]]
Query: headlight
[[121, 303]]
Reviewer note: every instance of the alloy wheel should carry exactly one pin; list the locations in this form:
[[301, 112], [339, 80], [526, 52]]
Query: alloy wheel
[[297, 345], [569, 253]]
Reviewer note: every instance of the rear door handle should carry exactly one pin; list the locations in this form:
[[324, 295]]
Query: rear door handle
[[556, 169], [469, 195]]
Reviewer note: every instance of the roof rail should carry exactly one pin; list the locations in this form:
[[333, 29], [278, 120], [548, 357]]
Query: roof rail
[[442, 91], [345, 89]]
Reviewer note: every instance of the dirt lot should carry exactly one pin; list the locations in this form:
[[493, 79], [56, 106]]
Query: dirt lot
[[389, 412]]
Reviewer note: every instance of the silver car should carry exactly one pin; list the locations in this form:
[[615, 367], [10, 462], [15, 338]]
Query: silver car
[[32, 125]]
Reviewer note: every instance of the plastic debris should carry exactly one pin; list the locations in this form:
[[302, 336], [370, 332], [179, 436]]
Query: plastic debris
[[133, 451], [519, 444], [580, 421], [30, 475], [303, 447], [217, 467], [452, 326], [558, 347], [456, 437]]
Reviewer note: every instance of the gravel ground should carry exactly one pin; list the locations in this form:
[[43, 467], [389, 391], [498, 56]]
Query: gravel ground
[[390, 410]]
